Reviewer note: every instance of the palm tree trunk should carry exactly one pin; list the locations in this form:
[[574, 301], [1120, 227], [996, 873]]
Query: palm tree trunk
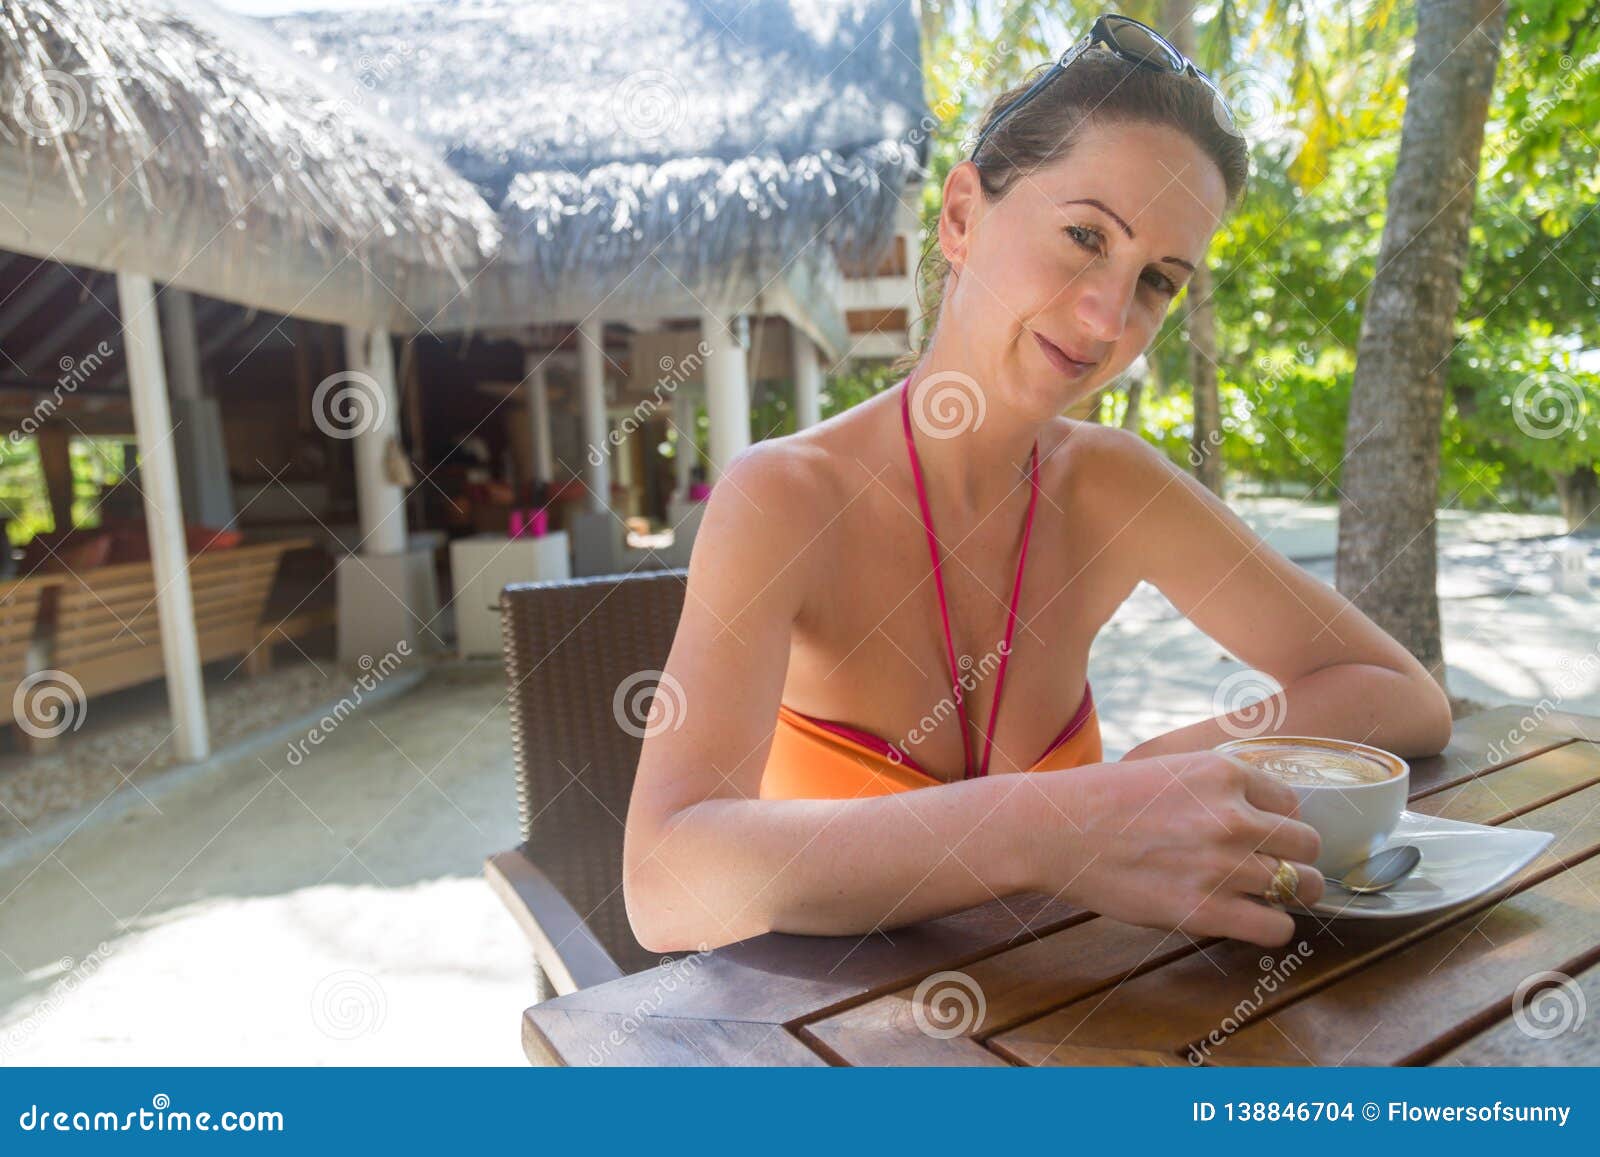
[[1388, 547], [1200, 321], [1579, 492]]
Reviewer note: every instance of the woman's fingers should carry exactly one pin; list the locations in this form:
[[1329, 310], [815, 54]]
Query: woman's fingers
[[1241, 918], [1288, 839], [1269, 794], [1255, 877]]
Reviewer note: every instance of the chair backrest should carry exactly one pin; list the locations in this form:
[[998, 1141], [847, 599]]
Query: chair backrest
[[582, 658]]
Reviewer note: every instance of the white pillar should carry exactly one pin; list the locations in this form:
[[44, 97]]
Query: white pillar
[[538, 390], [201, 450], [163, 512], [727, 391], [807, 373], [592, 390], [373, 403], [182, 344]]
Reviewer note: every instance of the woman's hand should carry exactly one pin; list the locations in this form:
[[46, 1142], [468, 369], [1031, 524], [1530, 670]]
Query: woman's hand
[[1184, 841]]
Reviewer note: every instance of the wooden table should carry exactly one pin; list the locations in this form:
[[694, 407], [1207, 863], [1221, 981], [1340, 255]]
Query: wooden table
[[1062, 986]]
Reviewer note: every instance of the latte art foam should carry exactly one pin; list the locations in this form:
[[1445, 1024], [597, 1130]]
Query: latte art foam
[[1315, 766]]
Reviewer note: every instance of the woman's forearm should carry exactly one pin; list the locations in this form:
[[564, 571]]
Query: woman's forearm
[[1407, 715], [726, 869]]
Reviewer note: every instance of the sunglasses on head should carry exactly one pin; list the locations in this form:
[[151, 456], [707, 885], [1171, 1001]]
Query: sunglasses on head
[[1127, 38]]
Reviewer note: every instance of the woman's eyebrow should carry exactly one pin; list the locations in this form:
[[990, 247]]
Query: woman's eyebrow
[[1126, 228]]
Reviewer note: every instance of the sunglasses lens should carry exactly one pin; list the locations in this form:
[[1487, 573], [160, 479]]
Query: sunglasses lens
[[1138, 43]]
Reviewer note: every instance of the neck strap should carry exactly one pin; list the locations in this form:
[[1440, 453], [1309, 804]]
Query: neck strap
[[944, 608]]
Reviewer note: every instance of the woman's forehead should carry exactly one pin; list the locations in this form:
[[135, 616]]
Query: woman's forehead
[[1155, 180]]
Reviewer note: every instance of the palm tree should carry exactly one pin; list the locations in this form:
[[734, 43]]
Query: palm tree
[[1388, 548]]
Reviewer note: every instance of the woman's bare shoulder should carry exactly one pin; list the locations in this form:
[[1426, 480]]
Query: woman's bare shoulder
[[1107, 465]]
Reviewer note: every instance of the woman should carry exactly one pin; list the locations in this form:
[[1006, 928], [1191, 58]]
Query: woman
[[841, 763]]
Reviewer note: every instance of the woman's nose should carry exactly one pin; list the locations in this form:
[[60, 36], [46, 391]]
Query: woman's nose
[[1102, 312]]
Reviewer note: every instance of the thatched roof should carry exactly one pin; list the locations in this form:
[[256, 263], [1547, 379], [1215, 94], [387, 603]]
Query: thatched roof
[[645, 147], [165, 137]]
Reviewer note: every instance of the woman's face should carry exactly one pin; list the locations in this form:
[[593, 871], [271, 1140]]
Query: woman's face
[[1077, 263]]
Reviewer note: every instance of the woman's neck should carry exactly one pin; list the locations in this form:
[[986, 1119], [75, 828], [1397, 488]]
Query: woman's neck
[[973, 447]]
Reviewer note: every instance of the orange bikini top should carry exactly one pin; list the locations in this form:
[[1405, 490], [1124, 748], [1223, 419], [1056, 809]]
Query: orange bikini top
[[815, 758]]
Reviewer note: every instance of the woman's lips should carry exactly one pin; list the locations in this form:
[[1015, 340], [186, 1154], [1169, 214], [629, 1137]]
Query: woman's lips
[[1072, 367]]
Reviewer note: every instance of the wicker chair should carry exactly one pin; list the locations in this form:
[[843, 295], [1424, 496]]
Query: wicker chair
[[570, 648]]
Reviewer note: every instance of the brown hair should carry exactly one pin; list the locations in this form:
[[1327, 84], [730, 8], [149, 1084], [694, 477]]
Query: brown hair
[[1097, 88]]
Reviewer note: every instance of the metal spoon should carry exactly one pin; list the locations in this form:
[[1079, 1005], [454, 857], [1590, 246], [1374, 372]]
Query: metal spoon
[[1378, 872]]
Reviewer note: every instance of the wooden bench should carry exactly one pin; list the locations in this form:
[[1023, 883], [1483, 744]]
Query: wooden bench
[[101, 625], [21, 601]]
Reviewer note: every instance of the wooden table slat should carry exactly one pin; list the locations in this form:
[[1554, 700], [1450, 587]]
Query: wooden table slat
[[602, 1040], [1412, 1005], [1230, 983], [1565, 1032]]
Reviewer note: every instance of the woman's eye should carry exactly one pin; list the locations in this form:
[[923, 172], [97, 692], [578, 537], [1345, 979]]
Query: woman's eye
[[1083, 235], [1160, 282]]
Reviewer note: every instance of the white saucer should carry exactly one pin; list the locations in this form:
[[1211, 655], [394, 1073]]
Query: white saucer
[[1459, 861]]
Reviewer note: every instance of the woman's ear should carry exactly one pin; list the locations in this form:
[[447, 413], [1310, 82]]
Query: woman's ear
[[959, 211]]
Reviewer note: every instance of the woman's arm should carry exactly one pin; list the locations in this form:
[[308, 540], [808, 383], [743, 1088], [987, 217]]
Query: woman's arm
[[1171, 843], [1342, 675]]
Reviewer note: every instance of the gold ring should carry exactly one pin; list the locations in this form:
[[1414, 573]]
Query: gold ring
[[1285, 883]]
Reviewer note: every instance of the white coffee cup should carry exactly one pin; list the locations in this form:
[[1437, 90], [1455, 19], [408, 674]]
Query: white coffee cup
[[1351, 793]]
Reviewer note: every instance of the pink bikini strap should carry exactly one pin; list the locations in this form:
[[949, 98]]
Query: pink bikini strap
[[938, 583]]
